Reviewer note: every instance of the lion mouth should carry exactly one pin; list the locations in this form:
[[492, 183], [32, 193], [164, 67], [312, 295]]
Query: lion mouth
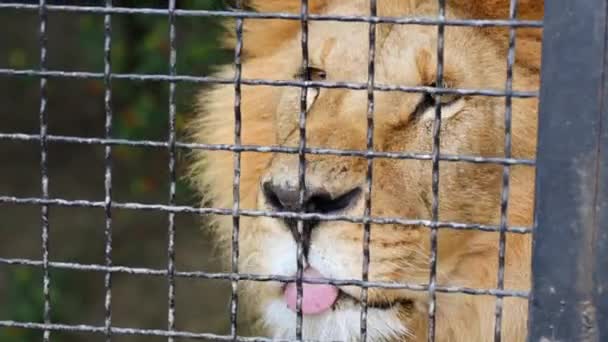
[[319, 298], [345, 298]]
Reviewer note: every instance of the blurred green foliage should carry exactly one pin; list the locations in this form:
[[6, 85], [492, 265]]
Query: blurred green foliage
[[26, 302], [140, 44]]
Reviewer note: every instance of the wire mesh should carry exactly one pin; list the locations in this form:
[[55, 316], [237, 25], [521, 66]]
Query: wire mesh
[[172, 145]]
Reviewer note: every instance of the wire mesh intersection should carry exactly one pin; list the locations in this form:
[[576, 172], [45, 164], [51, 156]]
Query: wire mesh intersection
[[172, 145]]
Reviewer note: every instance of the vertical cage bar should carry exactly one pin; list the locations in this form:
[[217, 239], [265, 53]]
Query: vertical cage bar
[[601, 245], [370, 162], [506, 174], [107, 82], [172, 172], [44, 177], [568, 301], [236, 185], [435, 179], [302, 165]]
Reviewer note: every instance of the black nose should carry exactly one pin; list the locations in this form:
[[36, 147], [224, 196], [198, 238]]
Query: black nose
[[315, 200]]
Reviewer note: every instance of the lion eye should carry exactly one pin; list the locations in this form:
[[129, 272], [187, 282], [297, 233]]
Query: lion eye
[[311, 73], [444, 99], [429, 101]]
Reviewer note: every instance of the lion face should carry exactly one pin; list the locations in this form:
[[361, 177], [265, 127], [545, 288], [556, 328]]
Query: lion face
[[405, 55]]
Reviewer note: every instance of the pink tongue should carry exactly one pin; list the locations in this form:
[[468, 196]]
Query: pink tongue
[[316, 298]]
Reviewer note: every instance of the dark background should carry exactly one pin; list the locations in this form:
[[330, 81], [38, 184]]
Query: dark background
[[76, 172]]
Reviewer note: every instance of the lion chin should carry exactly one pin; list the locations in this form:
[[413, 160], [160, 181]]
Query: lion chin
[[469, 193]]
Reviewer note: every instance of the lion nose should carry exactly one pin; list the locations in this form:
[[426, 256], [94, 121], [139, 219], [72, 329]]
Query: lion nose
[[316, 200]]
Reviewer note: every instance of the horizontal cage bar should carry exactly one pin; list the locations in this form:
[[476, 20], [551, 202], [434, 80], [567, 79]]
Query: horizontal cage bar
[[266, 82], [268, 149], [261, 213], [268, 278], [285, 16], [130, 331]]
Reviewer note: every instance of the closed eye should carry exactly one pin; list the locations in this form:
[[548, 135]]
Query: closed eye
[[312, 74], [429, 101]]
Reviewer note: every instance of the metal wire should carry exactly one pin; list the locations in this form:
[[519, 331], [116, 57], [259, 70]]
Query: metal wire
[[267, 278], [172, 172], [236, 185], [275, 83], [284, 16], [172, 145], [107, 69], [302, 167], [370, 167], [504, 196], [268, 149], [44, 177], [435, 178], [265, 213], [130, 331]]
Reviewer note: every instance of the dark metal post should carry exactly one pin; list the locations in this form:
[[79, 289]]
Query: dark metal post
[[570, 257], [601, 265]]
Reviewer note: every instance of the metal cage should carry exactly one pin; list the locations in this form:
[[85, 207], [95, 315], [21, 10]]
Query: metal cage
[[570, 251]]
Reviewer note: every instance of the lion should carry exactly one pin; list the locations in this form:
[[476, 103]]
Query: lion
[[336, 118]]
